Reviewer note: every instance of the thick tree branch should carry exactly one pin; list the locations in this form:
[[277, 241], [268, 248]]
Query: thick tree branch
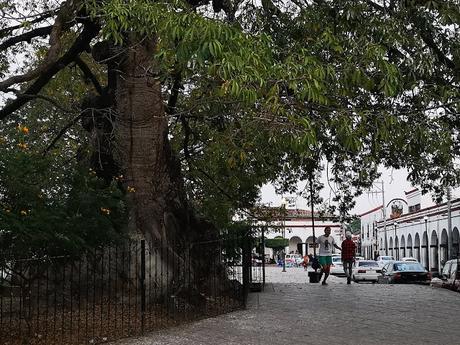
[[7, 31], [61, 24], [61, 133], [89, 74], [25, 37], [429, 41], [81, 44], [172, 102], [49, 100], [375, 6], [421, 24]]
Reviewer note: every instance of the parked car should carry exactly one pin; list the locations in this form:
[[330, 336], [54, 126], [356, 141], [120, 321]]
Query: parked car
[[293, 259], [357, 258], [398, 272], [410, 259], [337, 266], [268, 259], [450, 274], [366, 270], [384, 259], [256, 260]]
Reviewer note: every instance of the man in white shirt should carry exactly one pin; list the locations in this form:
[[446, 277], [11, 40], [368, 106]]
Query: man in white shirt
[[325, 252]]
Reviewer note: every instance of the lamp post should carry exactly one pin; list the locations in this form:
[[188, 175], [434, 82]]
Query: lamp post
[[283, 224], [375, 238]]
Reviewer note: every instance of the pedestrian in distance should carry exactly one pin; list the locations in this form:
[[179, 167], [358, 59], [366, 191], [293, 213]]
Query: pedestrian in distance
[[348, 255], [305, 262], [325, 252]]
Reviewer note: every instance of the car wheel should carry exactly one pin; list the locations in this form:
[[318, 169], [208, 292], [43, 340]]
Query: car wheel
[[354, 279]]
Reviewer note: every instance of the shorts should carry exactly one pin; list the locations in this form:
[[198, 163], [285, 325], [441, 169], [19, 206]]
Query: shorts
[[325, 260]]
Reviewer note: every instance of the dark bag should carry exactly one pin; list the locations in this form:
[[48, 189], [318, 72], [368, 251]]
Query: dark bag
[[315, 263]]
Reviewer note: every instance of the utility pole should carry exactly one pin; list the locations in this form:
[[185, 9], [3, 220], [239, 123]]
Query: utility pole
[[384, 214], [312, 203], [384, 210]]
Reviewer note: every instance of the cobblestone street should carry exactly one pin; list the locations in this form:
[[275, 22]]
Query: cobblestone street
[[292, 311]]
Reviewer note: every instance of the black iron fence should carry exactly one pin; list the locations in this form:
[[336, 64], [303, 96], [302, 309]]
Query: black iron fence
[[110, 293]]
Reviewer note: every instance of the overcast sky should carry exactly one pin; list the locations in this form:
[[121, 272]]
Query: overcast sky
[[395, 183]]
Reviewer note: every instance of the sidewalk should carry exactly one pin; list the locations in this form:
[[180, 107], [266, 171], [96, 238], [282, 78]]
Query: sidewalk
[[295, 313]]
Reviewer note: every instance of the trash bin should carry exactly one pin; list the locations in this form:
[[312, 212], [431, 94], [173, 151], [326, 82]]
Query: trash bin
[[314, 276]]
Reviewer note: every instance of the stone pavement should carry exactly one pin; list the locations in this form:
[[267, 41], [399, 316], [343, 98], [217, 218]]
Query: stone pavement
[[292, 311]]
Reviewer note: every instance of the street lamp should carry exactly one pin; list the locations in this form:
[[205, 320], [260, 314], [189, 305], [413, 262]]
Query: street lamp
[[375, 238], [283, 207]]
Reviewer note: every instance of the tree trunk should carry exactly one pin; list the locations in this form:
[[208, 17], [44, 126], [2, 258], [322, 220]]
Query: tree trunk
[[159, 209], [140, 148]]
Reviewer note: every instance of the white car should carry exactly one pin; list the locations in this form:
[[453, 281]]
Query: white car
[[409, 259], [366, 270], [450, 274], [382, 260], [337, 266]]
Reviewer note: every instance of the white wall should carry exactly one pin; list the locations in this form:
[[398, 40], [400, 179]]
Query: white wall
[[303, 230], [433, 250]]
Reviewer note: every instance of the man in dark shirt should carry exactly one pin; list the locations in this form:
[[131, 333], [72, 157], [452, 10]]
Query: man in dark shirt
[[348, 255]]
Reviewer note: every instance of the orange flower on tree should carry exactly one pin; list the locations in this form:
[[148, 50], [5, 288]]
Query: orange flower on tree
[[23, 129], [105, 210]]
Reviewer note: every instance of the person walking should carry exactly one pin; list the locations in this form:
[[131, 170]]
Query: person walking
[[325, 252], [305, 262], [348, 255]]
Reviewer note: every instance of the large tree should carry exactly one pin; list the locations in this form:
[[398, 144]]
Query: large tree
[[230, 96]]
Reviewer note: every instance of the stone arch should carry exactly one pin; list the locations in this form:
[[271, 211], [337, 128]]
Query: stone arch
[[443, 247], [434, 251], [455, 242], [425, 250], [417, 247], [310, 250], [410, 251], [294, 243], [403, 246], [391, 246]]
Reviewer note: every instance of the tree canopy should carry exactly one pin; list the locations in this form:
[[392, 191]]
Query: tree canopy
[[237, 95]]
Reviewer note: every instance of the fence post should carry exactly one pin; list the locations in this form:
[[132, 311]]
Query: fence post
[[142, 285], [246, 268]]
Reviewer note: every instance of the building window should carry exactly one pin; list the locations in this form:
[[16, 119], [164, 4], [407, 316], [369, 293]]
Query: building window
[[367, 230], [414, 208]]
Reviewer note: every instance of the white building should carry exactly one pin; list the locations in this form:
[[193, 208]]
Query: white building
[[297, 227], [420, 232], [368, 236]]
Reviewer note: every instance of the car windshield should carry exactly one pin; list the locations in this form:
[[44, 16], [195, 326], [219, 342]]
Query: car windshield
[[386, 258], [408, 266], [336, 259], [368, 264]]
